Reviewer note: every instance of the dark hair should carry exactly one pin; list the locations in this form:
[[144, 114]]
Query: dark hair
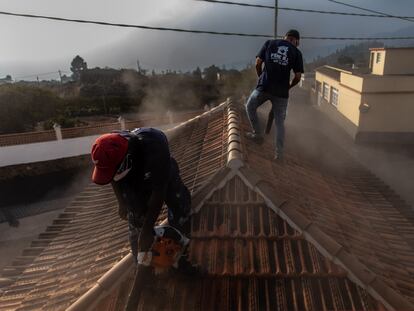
[[293, 33]]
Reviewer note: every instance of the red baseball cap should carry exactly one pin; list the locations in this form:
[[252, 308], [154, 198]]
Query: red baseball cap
[[108, 152]]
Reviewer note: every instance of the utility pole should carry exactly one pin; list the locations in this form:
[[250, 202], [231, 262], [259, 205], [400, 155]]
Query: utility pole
[[60, 76], [276, 9]]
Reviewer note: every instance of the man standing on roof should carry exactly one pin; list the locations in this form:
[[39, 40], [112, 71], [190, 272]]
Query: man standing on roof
[[143, 176], [279, 58]]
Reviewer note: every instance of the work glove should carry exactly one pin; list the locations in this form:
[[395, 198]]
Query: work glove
[[145, 258]]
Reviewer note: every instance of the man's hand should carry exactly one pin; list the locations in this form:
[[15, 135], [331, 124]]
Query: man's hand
[[295, 80]]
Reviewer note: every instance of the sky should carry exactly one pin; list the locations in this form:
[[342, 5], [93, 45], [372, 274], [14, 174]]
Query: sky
[[34, 47]]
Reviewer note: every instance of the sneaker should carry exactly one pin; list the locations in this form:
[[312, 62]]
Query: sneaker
[[258, 139]]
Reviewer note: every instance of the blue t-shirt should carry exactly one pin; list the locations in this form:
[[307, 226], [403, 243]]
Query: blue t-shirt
[[280, 57]]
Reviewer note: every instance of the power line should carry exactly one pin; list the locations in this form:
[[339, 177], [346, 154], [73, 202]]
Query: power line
[[406, 18], [308, 10], [193, 30], [356, 38], [40, 74], [240, 4], [135, 26]]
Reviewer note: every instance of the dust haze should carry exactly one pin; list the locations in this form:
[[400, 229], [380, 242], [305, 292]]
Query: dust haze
[[319, 141]]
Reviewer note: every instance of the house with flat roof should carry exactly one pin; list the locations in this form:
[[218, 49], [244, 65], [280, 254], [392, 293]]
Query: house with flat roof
[[374, 105]]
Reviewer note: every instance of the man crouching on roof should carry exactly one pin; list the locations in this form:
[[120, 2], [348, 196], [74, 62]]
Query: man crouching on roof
[[143, 176]]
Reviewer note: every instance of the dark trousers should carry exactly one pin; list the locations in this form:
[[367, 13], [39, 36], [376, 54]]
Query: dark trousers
[[177, 198]]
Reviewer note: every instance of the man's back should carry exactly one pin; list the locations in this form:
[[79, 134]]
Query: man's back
[[150, 166], [280, 57]]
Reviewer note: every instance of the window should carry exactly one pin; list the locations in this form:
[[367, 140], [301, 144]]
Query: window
[[378, 57], [318, 86], [325, 93], [371, 60], [334, 96]]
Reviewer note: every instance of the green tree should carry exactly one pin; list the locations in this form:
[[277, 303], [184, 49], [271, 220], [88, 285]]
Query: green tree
[[77, 66], [22, 107], [197, 73], [210, 73]]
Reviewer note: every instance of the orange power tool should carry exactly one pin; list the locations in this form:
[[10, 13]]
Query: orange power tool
[[169, 245]]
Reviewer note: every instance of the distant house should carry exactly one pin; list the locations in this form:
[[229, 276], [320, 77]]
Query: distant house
[[6, 80], [376, 105]]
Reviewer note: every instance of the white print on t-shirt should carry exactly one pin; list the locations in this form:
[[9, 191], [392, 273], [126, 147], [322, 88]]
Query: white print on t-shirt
[[280, 56]]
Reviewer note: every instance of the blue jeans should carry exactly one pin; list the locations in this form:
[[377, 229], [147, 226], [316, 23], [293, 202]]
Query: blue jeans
[[279, 106]]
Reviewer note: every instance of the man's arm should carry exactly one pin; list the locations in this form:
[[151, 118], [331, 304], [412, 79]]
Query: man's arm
[[260, 57], [297, 69], [157, 163], [122, 203], [259, 67], [146, 236], [295, 80]]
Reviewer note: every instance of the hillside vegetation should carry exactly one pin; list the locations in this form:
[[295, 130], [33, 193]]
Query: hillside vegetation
[[357, 54], [25, 106]]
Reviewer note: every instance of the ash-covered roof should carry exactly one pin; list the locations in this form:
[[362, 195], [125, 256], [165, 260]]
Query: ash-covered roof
[[255, 261], [360, 221], [88, 238], [296, 234]]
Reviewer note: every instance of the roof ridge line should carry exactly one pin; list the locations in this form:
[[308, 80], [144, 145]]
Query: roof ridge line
[[174, 130], [215, 182], [234, 149], [329, 247]]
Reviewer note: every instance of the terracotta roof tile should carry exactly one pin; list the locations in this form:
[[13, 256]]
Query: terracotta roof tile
[[346, 204], [255, 261], [88, 238], [296, 235]]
